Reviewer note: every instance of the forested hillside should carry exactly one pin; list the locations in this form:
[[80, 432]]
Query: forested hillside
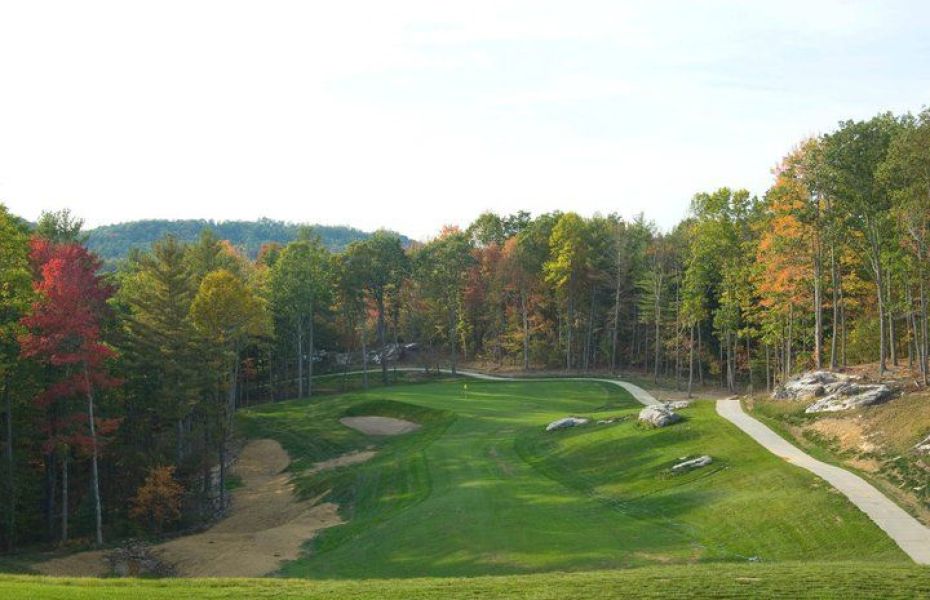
[[120, 389], [112, 242]]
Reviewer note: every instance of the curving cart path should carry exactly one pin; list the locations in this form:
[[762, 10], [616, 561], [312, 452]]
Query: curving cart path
[[907, 532]]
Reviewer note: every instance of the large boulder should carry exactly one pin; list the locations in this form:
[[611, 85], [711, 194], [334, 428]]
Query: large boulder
[[851, 395], [808, 386], [832, 391], [677, 404], [659, 415], [566, 423]]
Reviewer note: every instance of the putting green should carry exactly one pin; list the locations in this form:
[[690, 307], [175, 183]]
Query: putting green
[[482, 489]]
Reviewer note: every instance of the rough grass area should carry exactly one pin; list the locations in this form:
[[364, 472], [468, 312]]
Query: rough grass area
[[846, 581], [481, 489]]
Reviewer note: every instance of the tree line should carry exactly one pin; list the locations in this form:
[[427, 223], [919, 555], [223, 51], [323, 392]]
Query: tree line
[[119, 389]]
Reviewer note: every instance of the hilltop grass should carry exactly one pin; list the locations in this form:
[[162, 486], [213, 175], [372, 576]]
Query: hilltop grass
[[846, 581], [481, 489]]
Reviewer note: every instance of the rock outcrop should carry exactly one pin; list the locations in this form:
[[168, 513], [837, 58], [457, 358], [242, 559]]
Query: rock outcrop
[[566, 423], [832, 391], [659, 415], [136, 559], [694, 463]]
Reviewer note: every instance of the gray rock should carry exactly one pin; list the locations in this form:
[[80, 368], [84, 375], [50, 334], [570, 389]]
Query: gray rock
[[677, 404], [808, 386], [136, 559], [694, 463], [659, 415], [851, 395], [566, 423], [923, 445], [832, 391]]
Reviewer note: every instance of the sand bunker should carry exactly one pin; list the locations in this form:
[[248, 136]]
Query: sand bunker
[[266, 524], [379, 425]]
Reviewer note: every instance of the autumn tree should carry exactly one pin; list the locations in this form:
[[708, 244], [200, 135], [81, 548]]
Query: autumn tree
[[227, 314], [158, 500], [64, 334]]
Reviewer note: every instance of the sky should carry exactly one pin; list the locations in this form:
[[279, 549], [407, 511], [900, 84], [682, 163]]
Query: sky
[[413, 115]]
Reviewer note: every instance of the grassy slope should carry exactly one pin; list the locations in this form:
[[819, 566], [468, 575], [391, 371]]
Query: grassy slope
[[482, 490], [841, 580]]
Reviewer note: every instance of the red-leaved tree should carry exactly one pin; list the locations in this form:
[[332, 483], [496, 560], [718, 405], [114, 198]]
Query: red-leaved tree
[[63, 334]]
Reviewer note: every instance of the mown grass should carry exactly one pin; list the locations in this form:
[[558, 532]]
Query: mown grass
[[847, 581], [482, 489]]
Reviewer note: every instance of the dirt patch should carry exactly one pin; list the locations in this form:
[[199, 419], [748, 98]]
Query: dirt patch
[[379, 425], [849, 433], [352, 458], [83, 564], [266, 526]]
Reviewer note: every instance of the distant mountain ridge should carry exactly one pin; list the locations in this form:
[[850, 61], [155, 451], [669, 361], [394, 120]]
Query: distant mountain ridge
[[113, 242]]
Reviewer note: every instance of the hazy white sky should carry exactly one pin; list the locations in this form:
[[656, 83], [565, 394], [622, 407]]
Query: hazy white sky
[[411, 115]]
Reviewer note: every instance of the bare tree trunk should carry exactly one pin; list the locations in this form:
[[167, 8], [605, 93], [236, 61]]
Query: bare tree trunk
[[699, 363], [615, 334], [381, 342], [658, 324], [222, 459], [526, 330], [271, 381], [64, 496], [364, 357], [818, 302], [691, 362], [589, 336], [910, 325], [834, 275], [723, 371], [300, 357], [310, 350], [749, 362], [923, 324], [891, 325], [768, 385], [11, 471], [788, 359], [570, 319], [842, 333], [678, 328], [879, 284], [453, 318], [94, 473]]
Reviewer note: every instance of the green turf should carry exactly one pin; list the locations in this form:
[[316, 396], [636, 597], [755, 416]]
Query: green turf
[[481, 489], [846, 581]]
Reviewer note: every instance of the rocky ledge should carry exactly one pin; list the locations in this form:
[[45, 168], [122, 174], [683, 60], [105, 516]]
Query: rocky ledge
[[832, 391]]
